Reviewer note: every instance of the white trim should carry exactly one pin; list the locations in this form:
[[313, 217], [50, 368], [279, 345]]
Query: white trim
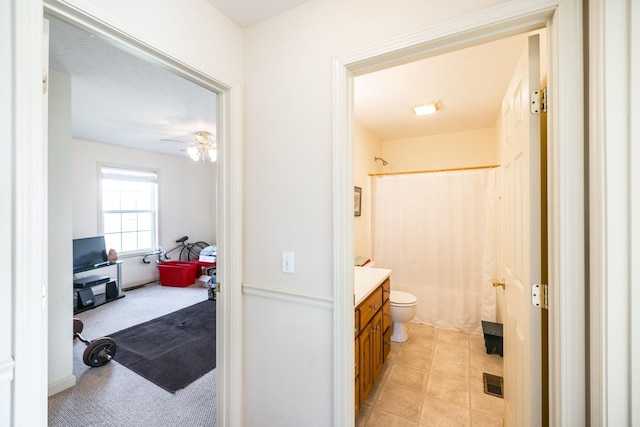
[[634, 182], [6, 370], [566, 186], [288, 296], [61, 385], [29, 399], [567, 327], [614, 203], [634, 179], [596, 390], [229, 355]]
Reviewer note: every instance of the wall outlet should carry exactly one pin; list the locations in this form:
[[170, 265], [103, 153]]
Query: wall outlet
[[287, 262]]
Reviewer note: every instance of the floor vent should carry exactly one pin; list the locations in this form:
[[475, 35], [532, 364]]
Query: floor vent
[[493, 385]]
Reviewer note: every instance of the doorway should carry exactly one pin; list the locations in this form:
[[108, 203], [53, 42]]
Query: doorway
[[229, 246], [437, 246], [454, 36]]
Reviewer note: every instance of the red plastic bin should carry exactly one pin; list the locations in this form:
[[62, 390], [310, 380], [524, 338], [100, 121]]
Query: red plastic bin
[[178, 273]]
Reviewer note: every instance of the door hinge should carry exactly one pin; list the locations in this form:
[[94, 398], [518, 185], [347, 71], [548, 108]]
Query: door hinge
[[538, 101], [45, 82], [540, 295]]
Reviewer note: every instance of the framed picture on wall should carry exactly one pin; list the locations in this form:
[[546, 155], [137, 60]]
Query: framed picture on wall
[[357, 200]]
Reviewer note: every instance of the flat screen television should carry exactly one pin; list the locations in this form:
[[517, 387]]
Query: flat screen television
[[88, 253]]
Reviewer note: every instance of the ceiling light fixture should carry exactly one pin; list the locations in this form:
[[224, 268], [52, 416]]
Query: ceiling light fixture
[[202, 146], [424, 109]]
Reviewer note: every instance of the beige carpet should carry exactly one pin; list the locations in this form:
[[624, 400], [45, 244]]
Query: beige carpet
[[113, 395]]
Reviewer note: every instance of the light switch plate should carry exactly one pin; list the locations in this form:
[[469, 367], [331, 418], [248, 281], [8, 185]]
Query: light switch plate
[[287, 262]]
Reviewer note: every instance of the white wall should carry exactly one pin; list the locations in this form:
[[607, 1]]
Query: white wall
[[462, 149], [366, 147], [6, 214], [186, 199], [288, 190], [192, 31], [60, 320]]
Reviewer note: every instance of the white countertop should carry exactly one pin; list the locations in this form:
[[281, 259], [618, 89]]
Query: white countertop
[[366, 279]]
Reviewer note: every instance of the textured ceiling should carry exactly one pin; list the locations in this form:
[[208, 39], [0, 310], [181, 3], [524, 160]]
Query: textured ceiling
[[117, 98], [245, 13], [120, 99]]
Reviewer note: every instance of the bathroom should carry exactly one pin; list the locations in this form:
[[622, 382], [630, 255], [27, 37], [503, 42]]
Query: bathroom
[[404, 387], [441, 251]]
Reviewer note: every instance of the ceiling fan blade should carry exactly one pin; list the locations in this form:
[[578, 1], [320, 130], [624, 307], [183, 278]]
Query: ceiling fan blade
[[176, 140], [193, 137]]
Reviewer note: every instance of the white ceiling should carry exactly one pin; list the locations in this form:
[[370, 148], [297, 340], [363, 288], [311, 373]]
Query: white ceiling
[[468, 84], [123, 100], [119, 99], [245, 13]]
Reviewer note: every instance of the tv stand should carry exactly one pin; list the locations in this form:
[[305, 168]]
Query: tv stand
[[85, 299]]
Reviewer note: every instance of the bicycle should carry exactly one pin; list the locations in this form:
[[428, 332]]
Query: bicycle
[[188, 251]]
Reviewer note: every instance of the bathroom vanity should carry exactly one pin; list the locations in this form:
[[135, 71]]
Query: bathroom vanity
[[372, 333]]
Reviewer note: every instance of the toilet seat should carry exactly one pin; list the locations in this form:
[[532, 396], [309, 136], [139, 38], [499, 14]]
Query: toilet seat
[[399, 298]]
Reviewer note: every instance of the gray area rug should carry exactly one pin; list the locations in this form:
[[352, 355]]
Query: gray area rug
[[171, 351], [114, 396]]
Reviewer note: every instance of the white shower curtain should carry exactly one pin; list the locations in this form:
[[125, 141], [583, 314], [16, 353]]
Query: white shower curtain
[[436, 232]]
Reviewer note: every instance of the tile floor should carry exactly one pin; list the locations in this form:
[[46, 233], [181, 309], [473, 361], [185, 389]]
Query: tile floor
[[434, 379]]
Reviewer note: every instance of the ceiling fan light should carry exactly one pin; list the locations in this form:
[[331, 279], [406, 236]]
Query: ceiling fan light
[[213, 155], [424, 109], [193, 152]]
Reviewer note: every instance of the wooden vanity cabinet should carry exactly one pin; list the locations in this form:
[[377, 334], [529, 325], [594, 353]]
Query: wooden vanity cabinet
[[356, 366], [372, 341]]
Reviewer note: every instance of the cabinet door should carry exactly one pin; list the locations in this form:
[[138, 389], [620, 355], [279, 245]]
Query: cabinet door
[[376, 346], [386, 345]]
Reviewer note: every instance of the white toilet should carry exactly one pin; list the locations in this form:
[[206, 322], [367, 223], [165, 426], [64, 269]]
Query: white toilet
[[403, 309]]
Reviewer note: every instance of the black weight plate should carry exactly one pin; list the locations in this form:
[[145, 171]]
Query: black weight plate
[[78, 326], [99, 352]]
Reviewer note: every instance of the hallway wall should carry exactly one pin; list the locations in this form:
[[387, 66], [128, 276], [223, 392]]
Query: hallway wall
[[288, 193]]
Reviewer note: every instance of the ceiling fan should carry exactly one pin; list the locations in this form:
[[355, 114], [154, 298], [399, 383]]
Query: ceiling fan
[[201, 144]]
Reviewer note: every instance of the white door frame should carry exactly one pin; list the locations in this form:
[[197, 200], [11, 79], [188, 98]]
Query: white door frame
[[563, 19], [30, 320]]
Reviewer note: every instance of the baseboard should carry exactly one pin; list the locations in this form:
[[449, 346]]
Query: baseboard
[[62, 385], [138, 284]]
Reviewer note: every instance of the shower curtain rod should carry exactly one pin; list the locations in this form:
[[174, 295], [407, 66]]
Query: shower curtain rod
[[436, 170]]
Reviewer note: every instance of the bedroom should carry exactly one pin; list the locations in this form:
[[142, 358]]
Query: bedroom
[[186, 189]]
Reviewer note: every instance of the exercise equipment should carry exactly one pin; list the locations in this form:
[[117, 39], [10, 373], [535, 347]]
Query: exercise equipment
[[99, 352]]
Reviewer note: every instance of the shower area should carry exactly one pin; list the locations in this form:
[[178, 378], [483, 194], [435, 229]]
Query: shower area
[[437, 232]]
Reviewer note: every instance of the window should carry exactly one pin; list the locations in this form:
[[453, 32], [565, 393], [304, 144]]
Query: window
[[129, 209]]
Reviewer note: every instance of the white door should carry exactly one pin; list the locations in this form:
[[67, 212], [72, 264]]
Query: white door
[[519, 261]]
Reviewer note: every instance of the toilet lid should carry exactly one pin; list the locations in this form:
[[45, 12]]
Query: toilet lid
[[402, 298]]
